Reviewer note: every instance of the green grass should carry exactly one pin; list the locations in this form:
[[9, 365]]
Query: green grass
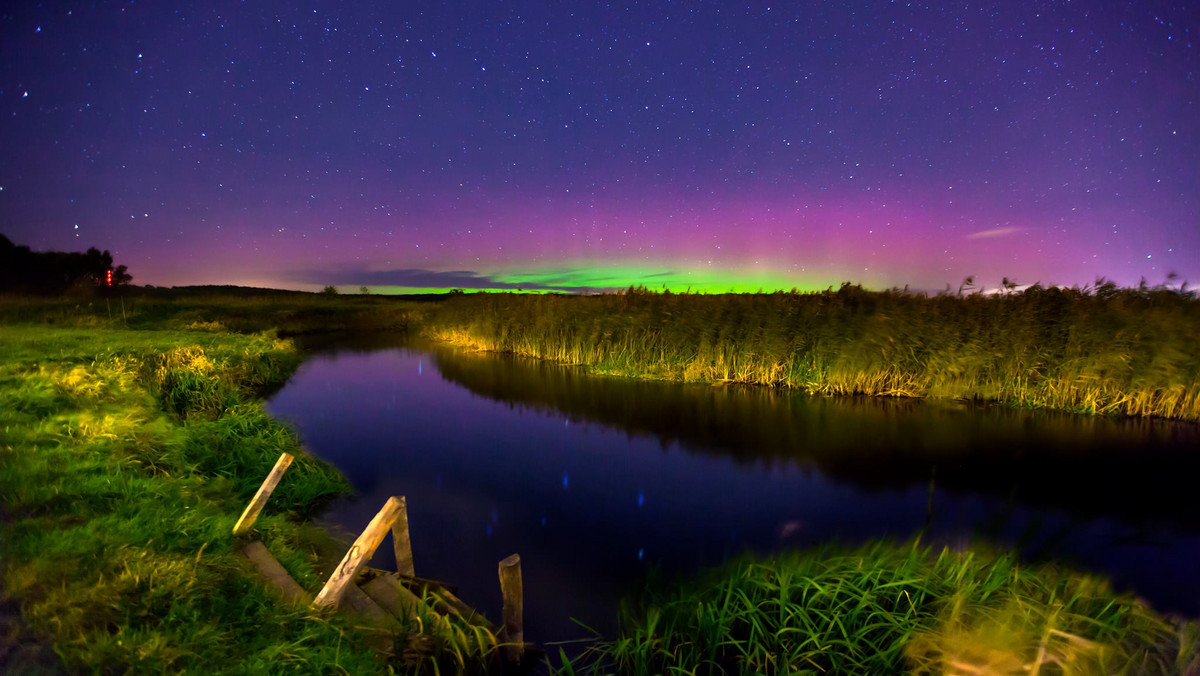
[[215, 309], [122, 472], [1096, 351], [125, 459], [888, 609]]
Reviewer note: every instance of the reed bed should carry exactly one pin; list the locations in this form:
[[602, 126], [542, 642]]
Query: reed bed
[[890, 609], [1099, 350]]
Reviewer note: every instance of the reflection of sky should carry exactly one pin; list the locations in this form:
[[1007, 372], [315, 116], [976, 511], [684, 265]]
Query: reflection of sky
[[590, 509]]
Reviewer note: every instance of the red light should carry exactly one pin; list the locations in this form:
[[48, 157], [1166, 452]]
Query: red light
[[108, 278]]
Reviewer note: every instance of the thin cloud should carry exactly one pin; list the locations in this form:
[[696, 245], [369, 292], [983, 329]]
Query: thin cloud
[[994, 232], [422, 279]]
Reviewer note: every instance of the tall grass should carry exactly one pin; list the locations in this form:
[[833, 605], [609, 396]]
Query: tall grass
[[887, 609], [1101, 351]]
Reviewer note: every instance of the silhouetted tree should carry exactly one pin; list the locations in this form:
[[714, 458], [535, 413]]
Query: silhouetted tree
[[56, 271]]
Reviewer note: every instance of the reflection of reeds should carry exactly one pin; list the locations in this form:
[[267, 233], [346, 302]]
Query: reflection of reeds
[[1112, 351], [885, 609]]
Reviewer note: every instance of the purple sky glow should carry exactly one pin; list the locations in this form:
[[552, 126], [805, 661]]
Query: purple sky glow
[[709, 146]]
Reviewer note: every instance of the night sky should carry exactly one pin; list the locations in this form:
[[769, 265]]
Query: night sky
[[709, 146]]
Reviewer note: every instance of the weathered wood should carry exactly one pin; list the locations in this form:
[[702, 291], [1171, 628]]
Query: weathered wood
[[379, 627], [356, 603], [393, 597], [264, 492], [360, 552], [513, 632], [444, 601], [274, 573], [401, 542]]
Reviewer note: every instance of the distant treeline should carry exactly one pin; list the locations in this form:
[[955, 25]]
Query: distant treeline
[[56, 272], [1100, 349]]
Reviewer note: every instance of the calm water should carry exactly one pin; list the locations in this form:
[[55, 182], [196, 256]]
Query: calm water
[[596, 482]]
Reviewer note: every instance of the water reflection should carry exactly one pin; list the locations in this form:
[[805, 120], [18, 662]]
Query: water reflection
[[1088, 465], [595, 481]]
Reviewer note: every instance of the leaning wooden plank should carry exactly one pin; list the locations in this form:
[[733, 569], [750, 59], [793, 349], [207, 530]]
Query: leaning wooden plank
[[356, 603], [380, 628], [360, 552], [387, 592], [264, 492], [416, 580], [274, 573], [445, 602], [456, 606]]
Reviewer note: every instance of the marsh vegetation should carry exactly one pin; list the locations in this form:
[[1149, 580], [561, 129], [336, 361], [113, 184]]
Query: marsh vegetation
[[888, 609], [1100, 350]]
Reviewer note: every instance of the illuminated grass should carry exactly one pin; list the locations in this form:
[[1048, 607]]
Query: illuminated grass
[[884, 609], [126, 458], [1107, 351], [121, 477]]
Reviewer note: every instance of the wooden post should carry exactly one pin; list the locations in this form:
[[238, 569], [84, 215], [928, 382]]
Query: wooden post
[[401, 542], [264, 492], [513, 633], [360, 552]]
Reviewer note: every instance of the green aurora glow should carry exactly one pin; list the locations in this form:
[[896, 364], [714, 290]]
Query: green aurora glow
[[586, 279]]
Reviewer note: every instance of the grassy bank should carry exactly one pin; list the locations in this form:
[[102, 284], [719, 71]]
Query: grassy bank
[[887, 609], [215, 309], [1107, 351], [125, 459]]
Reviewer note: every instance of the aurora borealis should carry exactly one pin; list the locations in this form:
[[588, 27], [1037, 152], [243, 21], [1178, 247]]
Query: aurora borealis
[[538, 145]]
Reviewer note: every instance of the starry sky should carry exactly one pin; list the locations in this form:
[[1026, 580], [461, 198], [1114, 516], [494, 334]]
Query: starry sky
[[708, 146]]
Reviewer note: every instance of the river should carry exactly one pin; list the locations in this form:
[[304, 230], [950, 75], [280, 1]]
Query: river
[[602, 484]]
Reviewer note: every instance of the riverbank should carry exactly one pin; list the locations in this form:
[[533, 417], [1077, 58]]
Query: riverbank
[[126, 457], [1108, 351], [887, 609]]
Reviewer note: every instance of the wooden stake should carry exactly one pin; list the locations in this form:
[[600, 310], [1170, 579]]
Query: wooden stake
[[361, 552], [401, 542], [513, 633], [264, 492], [274, 573]]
